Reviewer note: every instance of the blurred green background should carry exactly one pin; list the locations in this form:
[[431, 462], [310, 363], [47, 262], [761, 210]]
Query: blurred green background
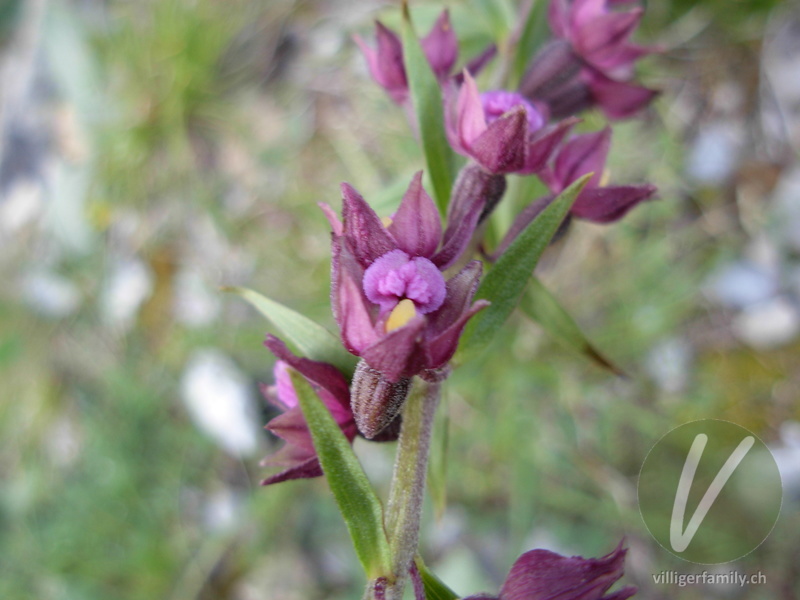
[[154, 151]]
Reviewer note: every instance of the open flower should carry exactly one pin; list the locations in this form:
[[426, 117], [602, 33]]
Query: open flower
[[386, 65], [298, 456], [591, 61], [393, 305], [597, 202], [545, 575], [500, 130]]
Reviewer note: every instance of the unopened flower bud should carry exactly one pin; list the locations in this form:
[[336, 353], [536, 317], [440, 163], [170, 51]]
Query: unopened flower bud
[[375, 400]]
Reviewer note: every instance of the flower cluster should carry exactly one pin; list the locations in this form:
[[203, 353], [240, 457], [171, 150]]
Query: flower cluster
[[403, 287]]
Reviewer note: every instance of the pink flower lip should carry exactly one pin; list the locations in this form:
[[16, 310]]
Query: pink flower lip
[[396, 275], [497, 103]]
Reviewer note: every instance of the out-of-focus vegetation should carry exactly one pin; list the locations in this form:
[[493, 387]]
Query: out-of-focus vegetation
[[153, 151]]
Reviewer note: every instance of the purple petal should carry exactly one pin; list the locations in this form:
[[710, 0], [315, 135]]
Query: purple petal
[[399, 353], [308, 469], [608, 204], [608, 31], [363, 230], [473, 190], [584, 13], [552, 67], [291, 427], [333, 218], [441, 46], [582, 154], [386, 62], [502, 147], [443, 347], [324, 375], [618, 100], [542, 145], [416, 226], [558, 17], [470, 120], [545, 575], [460, 290], [350, 307]]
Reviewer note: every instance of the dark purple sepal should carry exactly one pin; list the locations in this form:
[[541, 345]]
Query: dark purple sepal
[[474, 191], [543, 143], [351, 310], [363, 229], [318, 373], [308, 469], [441, 46], [585, 153], [399, 353], [416, 226], [609, 204], [552, 67], [502, 148], [460, 290], [617, 99], [545, 575]]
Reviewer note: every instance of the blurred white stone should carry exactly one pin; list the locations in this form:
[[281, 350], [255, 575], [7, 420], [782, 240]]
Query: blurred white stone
[[219, 400], [715, 153], [768, 324], [222, 509], [194, 304], [63, 442], [668, 363], [741, 284], [780, 82], [20, 205], [787, 456], [130, 283], [786, 200], [50, 294]]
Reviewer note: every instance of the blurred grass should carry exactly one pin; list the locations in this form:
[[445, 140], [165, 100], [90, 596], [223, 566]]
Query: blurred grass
[[200, 164]]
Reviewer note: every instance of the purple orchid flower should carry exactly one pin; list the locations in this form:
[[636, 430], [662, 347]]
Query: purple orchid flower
[[598, 35], [591, 62], [545, 575], [385, 61], [298, 456], [501, 131], [390, 298], [597, 202]]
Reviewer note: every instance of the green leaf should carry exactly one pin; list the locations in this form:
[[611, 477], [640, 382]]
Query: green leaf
[[310, 338], [544, 308], [532, 38], [504, 283], [427, 100], [435, 588], [360, 507]]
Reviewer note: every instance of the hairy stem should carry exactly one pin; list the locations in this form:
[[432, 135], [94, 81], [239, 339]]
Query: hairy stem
[[408, 487]]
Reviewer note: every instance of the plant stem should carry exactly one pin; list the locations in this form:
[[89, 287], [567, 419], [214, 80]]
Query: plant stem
[[408, 486]]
